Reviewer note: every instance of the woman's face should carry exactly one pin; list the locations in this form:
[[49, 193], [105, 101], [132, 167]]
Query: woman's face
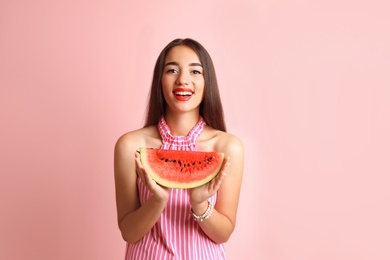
[[182, 80]]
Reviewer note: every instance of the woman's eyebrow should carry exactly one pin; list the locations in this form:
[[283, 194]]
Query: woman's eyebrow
[[176, 64], [171, 63], [196, 64]]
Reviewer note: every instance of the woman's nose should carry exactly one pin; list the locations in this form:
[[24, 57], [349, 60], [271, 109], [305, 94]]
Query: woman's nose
[[182, 79]]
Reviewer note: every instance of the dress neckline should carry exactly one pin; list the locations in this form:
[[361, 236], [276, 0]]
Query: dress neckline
[[187, 142]]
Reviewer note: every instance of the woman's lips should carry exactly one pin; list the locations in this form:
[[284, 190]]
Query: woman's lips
[[183, 94]]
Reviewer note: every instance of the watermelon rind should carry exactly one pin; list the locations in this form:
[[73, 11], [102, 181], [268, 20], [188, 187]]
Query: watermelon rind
[[188, 178]]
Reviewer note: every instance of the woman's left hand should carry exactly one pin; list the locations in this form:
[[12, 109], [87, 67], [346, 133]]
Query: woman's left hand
[[200, 194]]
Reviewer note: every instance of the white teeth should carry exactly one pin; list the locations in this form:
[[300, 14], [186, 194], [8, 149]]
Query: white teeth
[[183, 93]]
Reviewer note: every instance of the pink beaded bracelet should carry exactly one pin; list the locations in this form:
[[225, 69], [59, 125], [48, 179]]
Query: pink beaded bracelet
[[206, 215]]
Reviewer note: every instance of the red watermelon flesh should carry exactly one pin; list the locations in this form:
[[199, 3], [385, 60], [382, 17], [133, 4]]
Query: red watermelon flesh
[[181, 169]]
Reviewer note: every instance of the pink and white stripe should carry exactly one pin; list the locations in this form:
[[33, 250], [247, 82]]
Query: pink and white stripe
[[175, 235]]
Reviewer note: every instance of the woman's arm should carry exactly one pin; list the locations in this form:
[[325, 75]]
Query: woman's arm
[[134, 220], [222, 222]]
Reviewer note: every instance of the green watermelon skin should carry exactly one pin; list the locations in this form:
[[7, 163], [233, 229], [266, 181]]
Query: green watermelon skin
[[181, 169]]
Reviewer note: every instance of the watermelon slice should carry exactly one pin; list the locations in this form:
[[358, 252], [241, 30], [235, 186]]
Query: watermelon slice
[[181, 169]]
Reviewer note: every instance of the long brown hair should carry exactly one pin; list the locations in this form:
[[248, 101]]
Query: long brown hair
[[210, 108]]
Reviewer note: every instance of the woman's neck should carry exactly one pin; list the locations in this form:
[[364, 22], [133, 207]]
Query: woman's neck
[[181, 124]]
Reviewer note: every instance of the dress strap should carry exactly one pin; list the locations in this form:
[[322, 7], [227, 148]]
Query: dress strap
[[186, 143]]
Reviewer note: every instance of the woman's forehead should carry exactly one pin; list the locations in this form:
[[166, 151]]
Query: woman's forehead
[[182, 54]]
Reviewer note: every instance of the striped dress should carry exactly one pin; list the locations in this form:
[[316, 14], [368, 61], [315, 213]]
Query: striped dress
[[175, 235]]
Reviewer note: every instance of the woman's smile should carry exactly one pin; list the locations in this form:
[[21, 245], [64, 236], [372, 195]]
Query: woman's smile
[[183, 94]]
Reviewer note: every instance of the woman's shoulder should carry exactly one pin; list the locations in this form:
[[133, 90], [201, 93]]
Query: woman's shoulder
[[230, 143], [223, 141], [144, 137]]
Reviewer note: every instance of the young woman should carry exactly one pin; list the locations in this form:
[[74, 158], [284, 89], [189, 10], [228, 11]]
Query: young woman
[[184, 113]]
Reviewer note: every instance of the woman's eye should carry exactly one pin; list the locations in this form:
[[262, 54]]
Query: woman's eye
[[171, 71], [196, 72]]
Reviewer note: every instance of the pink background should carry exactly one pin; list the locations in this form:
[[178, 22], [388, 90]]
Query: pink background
[[305, 84]]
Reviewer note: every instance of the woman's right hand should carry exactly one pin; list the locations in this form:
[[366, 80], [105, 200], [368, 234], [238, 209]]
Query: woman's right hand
[[159, 192]]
